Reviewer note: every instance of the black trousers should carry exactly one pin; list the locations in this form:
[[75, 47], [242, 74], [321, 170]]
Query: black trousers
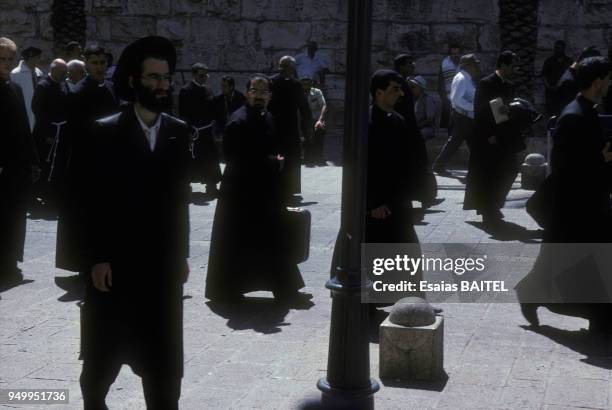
[[463, 127], [160, 392], [313, 149]]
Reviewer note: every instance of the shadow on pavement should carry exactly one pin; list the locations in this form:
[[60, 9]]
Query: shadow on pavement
[[202, 199], [579, 341], [262, 315], [509, 231], [74, 287], [10, 285]]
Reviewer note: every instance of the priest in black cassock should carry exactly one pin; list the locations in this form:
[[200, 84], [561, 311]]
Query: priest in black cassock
[[248, 243], [291, 112], [227, 102], [50, 111], [93, 98], [18, 167], [493, 165], [138, 238], [196, 106]]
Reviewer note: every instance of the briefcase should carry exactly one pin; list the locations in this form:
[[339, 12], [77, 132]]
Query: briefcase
[[297, 224]]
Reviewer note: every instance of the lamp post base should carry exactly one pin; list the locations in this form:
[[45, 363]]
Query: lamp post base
[[334, 398]]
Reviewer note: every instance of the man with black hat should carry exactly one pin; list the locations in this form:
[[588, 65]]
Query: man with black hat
[[291, 113], [492, 165], [138, 238], [18, 166], [196, 107], [93, 98], [50, 108], [27, 74]]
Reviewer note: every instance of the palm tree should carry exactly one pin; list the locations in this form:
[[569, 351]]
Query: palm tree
[[518, 22], [68, 23]]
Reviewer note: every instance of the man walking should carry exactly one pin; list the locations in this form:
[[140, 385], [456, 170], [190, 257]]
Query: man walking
[[196, 107], [27, 74], [18, 166], [493, 166], [138, 234]]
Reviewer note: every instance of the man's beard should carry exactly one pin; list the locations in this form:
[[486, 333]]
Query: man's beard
[[148, 99]]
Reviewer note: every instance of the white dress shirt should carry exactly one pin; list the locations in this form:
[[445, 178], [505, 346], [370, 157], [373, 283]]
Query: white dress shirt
[[150, 132], [462, 94], [22, 75], [309, 67]]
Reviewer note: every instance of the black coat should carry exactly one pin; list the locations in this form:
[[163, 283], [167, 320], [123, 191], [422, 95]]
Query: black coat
[[582, 181], [492, 167], [17, 156], [196, 107], [138, 221], [88, 103], [395, 171], [225, 107], [291, 111], [247, 247], [49, 105]]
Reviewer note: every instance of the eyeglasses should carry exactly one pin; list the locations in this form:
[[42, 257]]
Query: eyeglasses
[[158, 78], [255, 91]]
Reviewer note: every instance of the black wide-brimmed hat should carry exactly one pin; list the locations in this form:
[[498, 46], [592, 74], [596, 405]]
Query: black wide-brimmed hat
[[132, 57]]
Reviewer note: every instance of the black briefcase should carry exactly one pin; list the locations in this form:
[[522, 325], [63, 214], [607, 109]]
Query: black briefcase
[[297, 224]]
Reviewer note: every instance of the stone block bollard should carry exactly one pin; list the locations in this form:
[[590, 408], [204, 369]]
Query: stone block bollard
[[412, 342], [533, 171]]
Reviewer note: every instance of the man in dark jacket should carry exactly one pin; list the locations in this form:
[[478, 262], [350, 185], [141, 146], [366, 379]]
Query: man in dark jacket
[[196, 107], [92, 99], [50, 111], [289, 103], [18, 164], [138, 238], [579, 190], [227, 102], [248, 249], [493, 165]]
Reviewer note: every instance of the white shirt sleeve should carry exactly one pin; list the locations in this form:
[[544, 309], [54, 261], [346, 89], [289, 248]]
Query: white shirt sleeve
[[462, 93]]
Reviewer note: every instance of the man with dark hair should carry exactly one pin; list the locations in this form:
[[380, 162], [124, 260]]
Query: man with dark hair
[[579, 199], [249, 250], [49, 105], [311, 64], [227, 102], [18, 167], [92, 98], [552, 70], [73, 51], [196, 107], [27, 74], [567, 87], [463, 90], [138, 234], [492, 166], [288, 103], [449, 67]]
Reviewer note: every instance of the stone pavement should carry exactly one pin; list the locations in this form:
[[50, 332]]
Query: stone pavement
[[261, 356]]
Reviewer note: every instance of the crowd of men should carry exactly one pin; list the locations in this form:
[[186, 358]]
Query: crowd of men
[[105, 148]]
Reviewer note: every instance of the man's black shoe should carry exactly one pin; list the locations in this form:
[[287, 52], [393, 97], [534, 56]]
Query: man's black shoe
[[530, 313]]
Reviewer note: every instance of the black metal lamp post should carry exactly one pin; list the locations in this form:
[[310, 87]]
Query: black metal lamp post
[[348, 383]]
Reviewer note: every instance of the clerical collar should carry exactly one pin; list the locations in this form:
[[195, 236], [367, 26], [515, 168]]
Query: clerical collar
[[586, 101]]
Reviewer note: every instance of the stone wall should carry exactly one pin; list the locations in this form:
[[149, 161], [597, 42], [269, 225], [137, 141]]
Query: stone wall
[[242, 36]]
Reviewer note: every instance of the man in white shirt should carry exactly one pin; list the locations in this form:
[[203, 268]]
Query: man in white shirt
[[313, 149], [27, 74], [448, 69], [310, 64], [462, 94]]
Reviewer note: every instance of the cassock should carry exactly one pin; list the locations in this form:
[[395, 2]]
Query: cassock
[[248, 245], [197, 109], [17, 156], [225, 106], [492, 168], [291, 112], [49, 105], [138, 217], [90, 101]]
